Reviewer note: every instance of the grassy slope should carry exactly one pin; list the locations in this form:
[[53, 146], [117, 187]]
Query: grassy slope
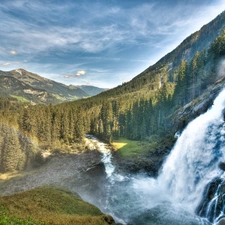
[[128, 148], [20, 98], [49, 205]]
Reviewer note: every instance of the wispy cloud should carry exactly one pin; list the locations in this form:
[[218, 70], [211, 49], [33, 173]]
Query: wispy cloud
[[37, 32], [9, 63], [78, 74], [65, 37], [5, 64], [69, 76], [31, 35]]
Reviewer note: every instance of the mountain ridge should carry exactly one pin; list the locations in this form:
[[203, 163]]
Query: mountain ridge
[[32, 87], [196, 42], [144, 104], [144, 109]]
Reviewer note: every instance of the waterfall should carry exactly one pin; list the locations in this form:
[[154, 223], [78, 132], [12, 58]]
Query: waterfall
[[188, 173], [194, 160], [193, 164]]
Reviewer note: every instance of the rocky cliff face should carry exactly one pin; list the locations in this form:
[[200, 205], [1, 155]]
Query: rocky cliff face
[[193, 109]]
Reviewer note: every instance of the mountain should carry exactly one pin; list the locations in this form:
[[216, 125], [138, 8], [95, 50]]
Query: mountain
[[145, 107], [150, 108], [162, 71], [92, 90], [32, 87], [10, 86]]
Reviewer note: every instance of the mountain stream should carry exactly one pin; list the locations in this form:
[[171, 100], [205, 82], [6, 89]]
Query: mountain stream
[[190, 188]]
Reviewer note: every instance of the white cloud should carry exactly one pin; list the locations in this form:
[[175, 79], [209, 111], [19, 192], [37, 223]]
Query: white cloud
[[6, 64], [78, 73], [12, 52], [81, 72]]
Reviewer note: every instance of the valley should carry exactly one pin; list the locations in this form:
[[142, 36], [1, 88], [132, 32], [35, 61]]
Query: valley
[[147, 152]]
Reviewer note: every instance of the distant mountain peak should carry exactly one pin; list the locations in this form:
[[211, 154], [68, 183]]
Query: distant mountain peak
[[92, 90], [31, 86], [19, 71]]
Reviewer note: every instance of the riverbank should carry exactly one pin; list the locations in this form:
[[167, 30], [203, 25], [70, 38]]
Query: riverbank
[[141, 157], [82, 173]]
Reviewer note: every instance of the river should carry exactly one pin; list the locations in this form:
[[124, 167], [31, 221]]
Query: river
[[190, 188]]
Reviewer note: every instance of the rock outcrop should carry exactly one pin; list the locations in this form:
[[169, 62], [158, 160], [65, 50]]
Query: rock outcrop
[[198, 106]]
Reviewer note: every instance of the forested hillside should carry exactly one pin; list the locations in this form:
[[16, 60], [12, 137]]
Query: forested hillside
[[91, 90], [30, 87], [140, 109]]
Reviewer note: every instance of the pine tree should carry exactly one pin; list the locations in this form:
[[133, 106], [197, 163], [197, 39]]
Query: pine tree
[[11, 152]]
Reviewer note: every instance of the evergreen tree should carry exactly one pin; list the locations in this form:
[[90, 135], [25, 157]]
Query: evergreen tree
[[11, 152]]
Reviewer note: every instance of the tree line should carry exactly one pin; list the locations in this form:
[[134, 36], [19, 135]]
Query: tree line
[[137, 110]]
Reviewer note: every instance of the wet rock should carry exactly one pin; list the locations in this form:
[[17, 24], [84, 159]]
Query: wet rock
[[221, 222], [212, 203], [147, 164], [198, 106], [108, 219], [222, 166], [208, 195], [61, 170], [223, 114]]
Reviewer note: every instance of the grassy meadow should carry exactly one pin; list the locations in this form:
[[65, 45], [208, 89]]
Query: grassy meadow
[[128, 148], [49, 205]]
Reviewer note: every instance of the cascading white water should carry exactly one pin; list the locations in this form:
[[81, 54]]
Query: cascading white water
[[191, 165], [106, 154], [194, 160]]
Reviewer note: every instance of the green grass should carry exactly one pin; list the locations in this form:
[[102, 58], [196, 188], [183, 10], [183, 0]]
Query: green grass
[[59, 97], [49, 205], [20, 98], [71, 98], [128, 148], [7, 219]]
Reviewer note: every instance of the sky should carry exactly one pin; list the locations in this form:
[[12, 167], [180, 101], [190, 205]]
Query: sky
[[96, 42]]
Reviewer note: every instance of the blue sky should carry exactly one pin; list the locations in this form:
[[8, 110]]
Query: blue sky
[[102, 43]]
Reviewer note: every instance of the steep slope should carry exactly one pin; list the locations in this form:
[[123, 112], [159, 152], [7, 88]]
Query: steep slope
[[160, 72], [36, 88], [49, 205], [143, 107], [10, 86]]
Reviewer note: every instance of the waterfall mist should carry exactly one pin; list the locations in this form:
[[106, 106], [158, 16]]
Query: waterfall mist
[[192, 164]]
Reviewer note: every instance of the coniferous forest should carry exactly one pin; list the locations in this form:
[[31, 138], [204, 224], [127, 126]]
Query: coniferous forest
[[149, 151], [141, 109]]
